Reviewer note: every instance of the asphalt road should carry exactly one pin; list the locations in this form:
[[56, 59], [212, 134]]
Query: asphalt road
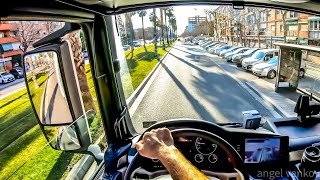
[[53, 106], [192, 84], [8, 88]]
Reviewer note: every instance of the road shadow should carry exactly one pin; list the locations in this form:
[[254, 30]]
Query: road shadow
[[182, 50], [9, 102], [194, 102], [62, 163], [144, 56], [220, 90], [8, 154]]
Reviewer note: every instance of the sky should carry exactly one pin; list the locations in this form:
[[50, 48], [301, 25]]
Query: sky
[[181, 12]]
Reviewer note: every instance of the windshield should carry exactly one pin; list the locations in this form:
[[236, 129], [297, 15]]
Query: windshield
[[249, 51], [273, 60], [258, 55], [166, 72], [195, 81], [238, 50]]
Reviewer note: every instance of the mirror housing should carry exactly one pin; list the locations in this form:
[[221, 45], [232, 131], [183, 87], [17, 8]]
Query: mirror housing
[[55, 95]]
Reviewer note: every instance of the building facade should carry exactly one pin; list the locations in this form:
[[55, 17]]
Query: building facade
[[10, 52], [194, 21], [18, 36], [262, 27]]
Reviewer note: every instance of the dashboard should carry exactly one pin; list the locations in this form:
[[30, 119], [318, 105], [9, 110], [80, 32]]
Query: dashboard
[[256, 153], [200, 152], [258, 150]]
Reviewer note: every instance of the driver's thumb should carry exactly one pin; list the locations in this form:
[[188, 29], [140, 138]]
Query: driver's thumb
[[139, 146]]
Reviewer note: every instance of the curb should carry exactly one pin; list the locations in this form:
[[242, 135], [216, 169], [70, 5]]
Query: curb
[[279, 110], [137, 92]]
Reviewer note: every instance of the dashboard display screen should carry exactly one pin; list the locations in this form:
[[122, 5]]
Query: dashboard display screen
[[262, 150]]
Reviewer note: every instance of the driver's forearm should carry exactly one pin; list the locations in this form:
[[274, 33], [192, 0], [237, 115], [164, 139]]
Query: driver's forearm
[[178, 166]]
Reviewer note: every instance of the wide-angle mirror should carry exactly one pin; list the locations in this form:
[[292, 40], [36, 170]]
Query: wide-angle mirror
[[66, 137], [46, 88]]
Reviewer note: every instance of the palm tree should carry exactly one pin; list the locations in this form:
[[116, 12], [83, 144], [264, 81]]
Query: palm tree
[[76, 50], [165, 10], [142, 14], [162, 26], [170, 15], [153, 18], [130, 32], [173, 23]]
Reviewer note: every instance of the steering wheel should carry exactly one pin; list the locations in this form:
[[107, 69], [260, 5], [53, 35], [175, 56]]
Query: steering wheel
[[235, 158]]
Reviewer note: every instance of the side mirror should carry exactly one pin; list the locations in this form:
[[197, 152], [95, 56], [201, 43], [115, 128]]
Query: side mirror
[[56, 98], [66, 137]]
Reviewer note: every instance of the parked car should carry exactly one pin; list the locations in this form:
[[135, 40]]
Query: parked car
[[224, 47], [239, 57], [229, 55], [211, 45], [224, 52], [213, 48], [126, 47], [266, 69], [6, 77], [205, 44], [136, 44], [258, 57], [269, 69], [16, 73], [202, 42]]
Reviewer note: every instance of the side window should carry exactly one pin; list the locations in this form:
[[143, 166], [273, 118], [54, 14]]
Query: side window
[[25, 152], [268, 56]]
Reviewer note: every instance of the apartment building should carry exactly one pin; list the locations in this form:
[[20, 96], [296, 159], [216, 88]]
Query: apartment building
[[16, 36], [194, 21], [9, 45], [262, 27]]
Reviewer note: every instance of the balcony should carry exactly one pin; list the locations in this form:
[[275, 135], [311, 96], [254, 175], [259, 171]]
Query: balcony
[[6, 40], [11, 53], [7, 27]]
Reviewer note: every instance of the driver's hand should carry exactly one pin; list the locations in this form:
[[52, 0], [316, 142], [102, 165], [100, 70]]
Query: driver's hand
[[154, 142]]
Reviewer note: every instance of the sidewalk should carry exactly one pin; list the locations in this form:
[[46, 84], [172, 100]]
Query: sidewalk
[[283, 102]]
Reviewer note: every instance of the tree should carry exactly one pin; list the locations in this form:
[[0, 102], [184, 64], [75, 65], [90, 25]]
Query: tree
[[51, 26], [142, 14], [165, 10], [213, 22], [162, 28], [153, 18], [130, 32], [257, 15], [29, 32], [76, 47], [284, 25], [170, 15], [173, 23]]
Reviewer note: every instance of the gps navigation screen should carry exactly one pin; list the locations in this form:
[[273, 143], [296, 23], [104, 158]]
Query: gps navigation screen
[[262, 150]]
